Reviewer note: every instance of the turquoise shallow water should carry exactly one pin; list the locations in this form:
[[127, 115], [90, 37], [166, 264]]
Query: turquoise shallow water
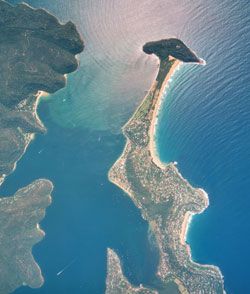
[[204, 125]]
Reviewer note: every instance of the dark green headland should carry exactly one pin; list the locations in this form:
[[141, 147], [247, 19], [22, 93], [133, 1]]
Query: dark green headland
[[36, 51]]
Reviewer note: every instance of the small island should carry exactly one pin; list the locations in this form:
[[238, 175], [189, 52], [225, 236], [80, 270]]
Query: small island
[[36, 53], [165, 198]]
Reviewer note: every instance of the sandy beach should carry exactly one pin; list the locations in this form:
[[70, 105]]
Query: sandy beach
[[146, 115], [152, 143], [184, 229], [154, 153]]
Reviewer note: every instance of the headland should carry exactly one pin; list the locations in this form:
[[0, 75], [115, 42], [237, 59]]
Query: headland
[[165, 198], [36, 52]]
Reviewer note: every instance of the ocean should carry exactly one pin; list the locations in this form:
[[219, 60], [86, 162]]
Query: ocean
[[204, 125]]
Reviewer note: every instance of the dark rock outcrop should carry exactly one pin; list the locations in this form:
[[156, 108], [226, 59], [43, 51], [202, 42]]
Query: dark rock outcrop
[[173, 47]]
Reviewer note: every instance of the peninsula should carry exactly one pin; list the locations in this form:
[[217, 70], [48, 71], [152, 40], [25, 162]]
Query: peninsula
[[165, 198], [36, 51]]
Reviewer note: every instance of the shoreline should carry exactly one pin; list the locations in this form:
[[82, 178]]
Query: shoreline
[[28, 137], [152, 139], [154, 152], [185, 226], [152, 147], [155, 155], [157, 161], [140, 151]]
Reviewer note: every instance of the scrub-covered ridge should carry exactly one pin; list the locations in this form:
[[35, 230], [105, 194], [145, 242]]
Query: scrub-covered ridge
[[36, 51]]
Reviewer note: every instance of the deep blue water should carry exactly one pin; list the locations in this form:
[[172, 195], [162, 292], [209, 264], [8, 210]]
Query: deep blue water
[[88, 214], [204, 125]]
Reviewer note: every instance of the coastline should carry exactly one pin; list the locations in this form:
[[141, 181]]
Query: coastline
[[28, 137], [21, 83], [157, 161], [155, 154], [166, 199], [185, 226], [152, 143]]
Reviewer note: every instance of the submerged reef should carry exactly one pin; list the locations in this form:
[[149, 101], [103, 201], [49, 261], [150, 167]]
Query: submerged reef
[[165, 199], [36, 51]]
